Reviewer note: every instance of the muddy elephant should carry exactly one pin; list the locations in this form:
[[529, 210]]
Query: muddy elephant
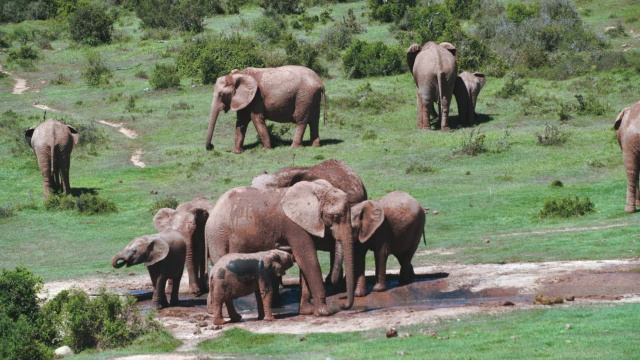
[[246, 220], [627, 126], [163, 254], [391, 225], [236, 275], [286, 94], [434, 68], [466, 91], [336, 172], [189, 219], [52, 142]]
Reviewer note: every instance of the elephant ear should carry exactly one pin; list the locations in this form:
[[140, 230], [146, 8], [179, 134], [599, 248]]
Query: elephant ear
[[371, 218], [302, 206], [412, 52], [158, 249], [623, 114], [74, 135], [28, 134], [452, 49], [481, 79], [246, 88], [163, 220]]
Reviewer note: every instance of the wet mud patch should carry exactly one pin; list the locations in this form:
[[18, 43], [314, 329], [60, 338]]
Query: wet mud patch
[[612, 285]]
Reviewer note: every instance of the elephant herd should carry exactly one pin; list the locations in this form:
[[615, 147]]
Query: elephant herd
[[252, 234]]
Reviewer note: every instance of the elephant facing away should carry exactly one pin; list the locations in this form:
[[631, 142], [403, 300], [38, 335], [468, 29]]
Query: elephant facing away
[[393, 225], [52, 142], [248, 220], [163, 254], [434, 68], [286, 94], [236, 275], [189, 219], [627, 126], [466, 91]]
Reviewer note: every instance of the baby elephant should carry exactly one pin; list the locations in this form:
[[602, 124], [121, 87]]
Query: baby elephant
[[235, 275], [163, 254], [392, 224]]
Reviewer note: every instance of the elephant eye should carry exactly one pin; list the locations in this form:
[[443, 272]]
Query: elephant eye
[[336, 218]]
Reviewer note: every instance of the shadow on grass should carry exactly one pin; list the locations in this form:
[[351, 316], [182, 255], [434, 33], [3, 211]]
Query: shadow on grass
[[79, 191], [287, 143]]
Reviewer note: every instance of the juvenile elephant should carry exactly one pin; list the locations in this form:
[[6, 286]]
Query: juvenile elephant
[[163, 254], [466, 91], [236, 275], [627, 126], [189, 219], [392, 224], [434, 68], [52, 142], [286, 94], [247, 220]]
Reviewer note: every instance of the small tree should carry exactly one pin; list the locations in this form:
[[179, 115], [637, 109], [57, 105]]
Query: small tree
[[91, 24], [164, 77]]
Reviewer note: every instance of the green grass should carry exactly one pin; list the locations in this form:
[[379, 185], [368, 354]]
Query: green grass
[[594, 332]]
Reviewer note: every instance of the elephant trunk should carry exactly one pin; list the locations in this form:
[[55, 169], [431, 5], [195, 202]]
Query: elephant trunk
[[118, 260], [345, 238], [336, 271], [213, 117]]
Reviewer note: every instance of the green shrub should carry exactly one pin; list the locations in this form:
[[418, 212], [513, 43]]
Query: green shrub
[[96, 72], [519, 12], [567, 208], [90, 204], [553, 136], [432, 23], [281, 7], [163, 202], [270, 29], [591, 105], [473, 145], [183, 15], [417, 167], [389, 10], [367, 99], [300, 52], [461, 9], [6, 211], [60, 202], [164, 77], [12, 127], [91, 24], [18, 290], [182, 105], [339, 36], [91, 136], [556, 184], [364, 59], [25, 52], [512, 87]]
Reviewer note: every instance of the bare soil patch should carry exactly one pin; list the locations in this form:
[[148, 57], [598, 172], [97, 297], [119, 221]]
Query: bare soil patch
[[441, 291]]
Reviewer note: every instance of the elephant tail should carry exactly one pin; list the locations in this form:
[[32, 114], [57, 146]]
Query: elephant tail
[[440, 76], [324, 104]]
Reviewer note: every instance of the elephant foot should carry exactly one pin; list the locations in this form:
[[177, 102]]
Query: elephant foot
[[630, 209], [316, 143], [322, 310], [306, 309], [218, 321], [446, 129], [235, 318], [194, 289], [360, 291], [380, 287], [238, 151], [268, 318]]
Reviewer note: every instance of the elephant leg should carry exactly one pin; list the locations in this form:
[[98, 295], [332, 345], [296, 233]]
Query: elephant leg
[[407, 275], [297, 138], [310, 268], [305, 297], [314, 123], [261, 127], [359, 265], [423, 115], [631, 166], [264, 296], [259, 304], [241, 130], [159, 299], [444, 113], [231, 310], [44, 163], [175, 289], [214, 302], [381, 256], [65, 163]]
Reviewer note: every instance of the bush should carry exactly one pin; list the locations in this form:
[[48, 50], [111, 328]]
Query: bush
[[300, 52], [365, 98], [18, 290], [281, 7], [96, 72], [556, 184], [389, 10], [270, 29], [432, 23], [567, 208], [519, 12], [90, 204], [339, 36], [591, 105], [91, 24], [513, 87], [461, 9], [25, 52], [164, 77], [184, 15], [472, 146], [60, 202], [417, 167], [164, 202], [363, 59], [12, 127], [552, 136]]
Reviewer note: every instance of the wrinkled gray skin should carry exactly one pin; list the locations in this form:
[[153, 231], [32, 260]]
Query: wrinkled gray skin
[[236, 275], [52, 142], [627, 126], [247, 220], [189, 219], [391, 225], [286, 94], [337, 173], [466, 91], [434, 68], [163, 254]]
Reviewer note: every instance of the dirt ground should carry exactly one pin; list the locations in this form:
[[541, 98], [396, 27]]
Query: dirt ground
[[442, 291]]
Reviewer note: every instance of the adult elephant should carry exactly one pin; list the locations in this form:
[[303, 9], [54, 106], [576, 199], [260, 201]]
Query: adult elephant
[[52, 142], [627, 126], [466, 91], [189, 219], [247, 220], [286, 94], [336, 172], [434, 68]]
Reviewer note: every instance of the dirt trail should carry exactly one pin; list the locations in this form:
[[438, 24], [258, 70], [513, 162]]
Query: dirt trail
[[440, 291], [20, 85]]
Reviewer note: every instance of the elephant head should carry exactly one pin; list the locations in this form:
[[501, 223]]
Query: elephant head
[[466, 91], [317, 206], [189, 219], [148, 249], [280, 261], [235, 91], [366, 218]]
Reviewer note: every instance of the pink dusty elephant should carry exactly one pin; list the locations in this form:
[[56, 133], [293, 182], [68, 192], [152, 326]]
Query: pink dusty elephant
[[627, 126]]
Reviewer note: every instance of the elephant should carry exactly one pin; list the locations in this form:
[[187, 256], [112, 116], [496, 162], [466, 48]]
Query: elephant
[[189, 219], [246, 220], [236, 275], [627, 126], [52, 142], [336, 172], [392, 224], [466, 91], [434, 68], [163, 254], [286, 94]]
